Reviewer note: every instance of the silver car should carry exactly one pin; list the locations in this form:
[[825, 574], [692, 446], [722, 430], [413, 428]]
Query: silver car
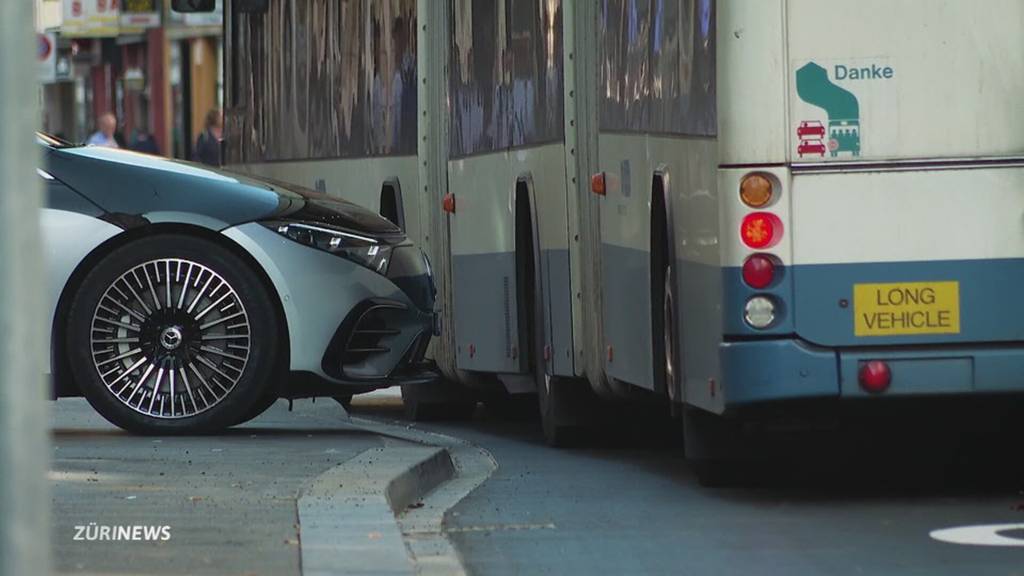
[[185, 299]]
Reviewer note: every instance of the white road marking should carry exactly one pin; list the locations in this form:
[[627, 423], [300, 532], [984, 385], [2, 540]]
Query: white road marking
[[981, 535]]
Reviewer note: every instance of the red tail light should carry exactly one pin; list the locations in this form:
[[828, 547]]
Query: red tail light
[[598, 184], [761, 230], [875, 376], [759, 271]]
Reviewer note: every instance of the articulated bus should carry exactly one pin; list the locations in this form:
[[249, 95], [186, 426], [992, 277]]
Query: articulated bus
[[722, 205]]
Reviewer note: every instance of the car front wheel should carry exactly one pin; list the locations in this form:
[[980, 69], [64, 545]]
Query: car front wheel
[[172, 334]]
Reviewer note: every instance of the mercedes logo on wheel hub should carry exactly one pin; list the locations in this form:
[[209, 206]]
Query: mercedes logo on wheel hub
[[171, 338]]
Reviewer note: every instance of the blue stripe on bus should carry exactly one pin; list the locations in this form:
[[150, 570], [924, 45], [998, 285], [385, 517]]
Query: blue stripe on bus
[[991, 303], [788, 369], [784, 369], [818, 355], [811, 296]]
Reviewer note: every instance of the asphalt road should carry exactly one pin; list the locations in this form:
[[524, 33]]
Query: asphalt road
[[228, 500], [638, 509], [630, 506]]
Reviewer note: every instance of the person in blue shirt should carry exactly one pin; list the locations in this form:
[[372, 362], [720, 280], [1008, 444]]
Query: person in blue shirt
[[104, 136]]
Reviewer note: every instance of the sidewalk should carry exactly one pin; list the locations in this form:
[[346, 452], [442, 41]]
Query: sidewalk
[[229, 502]]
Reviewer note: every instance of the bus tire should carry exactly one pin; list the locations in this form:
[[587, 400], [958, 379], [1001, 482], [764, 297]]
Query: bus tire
[[437, 401], [717, 473], [514, 407], [562, 402], [713, 446], [664, 343], [663, 338], [345, 400]]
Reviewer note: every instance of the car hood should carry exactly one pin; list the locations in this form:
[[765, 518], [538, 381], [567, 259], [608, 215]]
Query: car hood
[[163, 190]]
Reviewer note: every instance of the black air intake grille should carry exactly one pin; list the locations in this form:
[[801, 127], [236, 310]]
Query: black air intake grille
[[367, 336]]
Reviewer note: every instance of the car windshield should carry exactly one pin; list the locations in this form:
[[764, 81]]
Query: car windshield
[[52, 141]]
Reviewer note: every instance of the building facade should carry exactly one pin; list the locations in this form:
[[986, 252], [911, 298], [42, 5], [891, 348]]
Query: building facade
[[157, 71]]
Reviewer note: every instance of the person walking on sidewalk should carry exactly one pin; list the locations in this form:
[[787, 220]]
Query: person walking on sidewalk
[[104, 136], [207, 148]]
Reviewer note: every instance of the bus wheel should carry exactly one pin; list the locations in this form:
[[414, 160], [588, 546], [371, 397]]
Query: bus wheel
[[713, 447], [345, 400], [515, 407], [437, 401], [664, 341], [562, 403], [668, 330]]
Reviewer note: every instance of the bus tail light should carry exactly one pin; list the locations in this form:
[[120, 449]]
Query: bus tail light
[[761, 230], [759, 271], [875, 376], [756, 190], [448, 203], [598, 184], [759, 312]]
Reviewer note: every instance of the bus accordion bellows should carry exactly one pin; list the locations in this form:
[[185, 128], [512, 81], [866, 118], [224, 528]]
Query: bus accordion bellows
[[720, 204]]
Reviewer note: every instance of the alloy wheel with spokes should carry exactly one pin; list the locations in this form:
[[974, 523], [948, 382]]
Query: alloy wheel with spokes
[[170, 338], [174, 334]]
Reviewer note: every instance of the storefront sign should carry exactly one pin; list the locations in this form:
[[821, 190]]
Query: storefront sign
[[91, 18], [215, 18], [137, 15]]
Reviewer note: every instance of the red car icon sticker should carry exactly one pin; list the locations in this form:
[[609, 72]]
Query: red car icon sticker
[[810, 130], [814, 146]]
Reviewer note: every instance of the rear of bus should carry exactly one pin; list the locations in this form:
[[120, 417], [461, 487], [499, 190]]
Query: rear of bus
[[872, 189]]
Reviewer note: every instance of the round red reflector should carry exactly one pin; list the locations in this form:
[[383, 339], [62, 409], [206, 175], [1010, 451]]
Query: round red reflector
[[759, 271], [761, 230], [875, 376]]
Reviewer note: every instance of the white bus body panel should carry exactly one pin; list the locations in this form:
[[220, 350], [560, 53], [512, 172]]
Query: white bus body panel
[[933, 79]]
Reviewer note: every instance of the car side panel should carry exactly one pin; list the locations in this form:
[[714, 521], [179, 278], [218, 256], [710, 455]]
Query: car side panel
[[60, 197], [68, 237]]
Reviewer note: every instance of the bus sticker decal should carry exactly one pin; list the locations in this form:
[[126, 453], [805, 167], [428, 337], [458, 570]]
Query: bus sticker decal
[[843, 110], [906, 308]]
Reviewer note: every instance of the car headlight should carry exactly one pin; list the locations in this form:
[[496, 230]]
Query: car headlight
[[367, 251]]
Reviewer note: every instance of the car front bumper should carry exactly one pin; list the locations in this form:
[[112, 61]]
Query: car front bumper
[[347, 325]]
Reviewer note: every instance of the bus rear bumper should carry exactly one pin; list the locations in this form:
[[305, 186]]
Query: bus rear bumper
[[790, 369], [784, 369]]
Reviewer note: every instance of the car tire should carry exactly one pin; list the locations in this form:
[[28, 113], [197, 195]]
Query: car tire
[[261, 406], [173, 334]]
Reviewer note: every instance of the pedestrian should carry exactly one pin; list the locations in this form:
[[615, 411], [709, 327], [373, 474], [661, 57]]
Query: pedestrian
[[104, 136], [145, 143], [207, 148]]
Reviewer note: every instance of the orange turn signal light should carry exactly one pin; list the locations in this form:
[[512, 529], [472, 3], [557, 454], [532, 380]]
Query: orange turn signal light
[[756, 190]]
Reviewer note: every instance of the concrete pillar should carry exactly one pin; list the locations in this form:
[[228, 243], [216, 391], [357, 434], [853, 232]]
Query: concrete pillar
[[159, 83], [24, 447]]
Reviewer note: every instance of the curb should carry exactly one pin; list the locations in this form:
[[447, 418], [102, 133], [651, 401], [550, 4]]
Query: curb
[[423, 527], [419, 479], [347, 517]]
